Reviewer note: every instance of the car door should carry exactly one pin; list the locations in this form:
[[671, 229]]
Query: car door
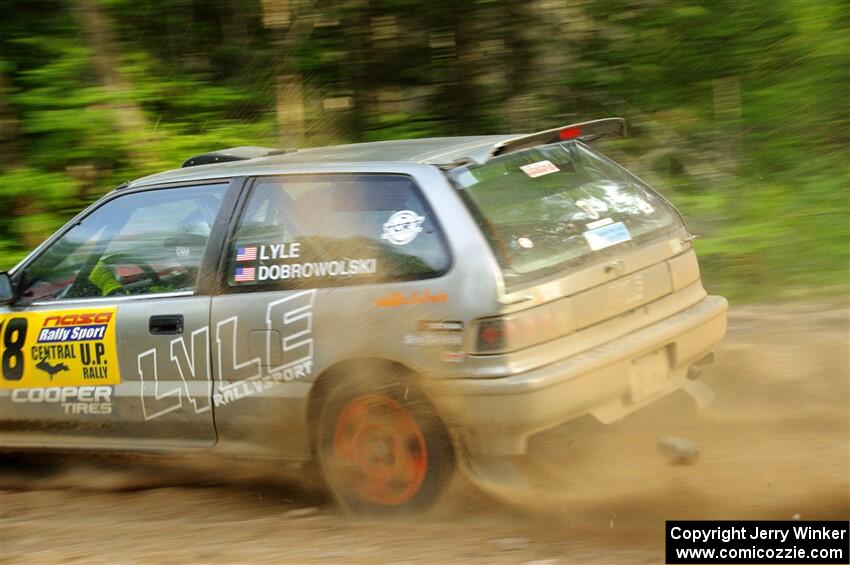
[[308, 256], [108, 344]]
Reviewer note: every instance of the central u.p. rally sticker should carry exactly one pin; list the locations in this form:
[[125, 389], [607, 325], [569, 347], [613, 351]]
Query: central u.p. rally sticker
[[58, 348]]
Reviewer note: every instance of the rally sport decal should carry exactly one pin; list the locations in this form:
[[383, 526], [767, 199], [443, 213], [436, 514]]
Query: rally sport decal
[[61, 356], [58, 348], [290, 317]]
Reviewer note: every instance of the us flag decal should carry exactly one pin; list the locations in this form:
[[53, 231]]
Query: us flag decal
[[246, 253], [244, 274]]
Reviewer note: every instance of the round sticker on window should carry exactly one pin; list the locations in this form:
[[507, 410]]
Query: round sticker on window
[[402, 227], [645, 207]]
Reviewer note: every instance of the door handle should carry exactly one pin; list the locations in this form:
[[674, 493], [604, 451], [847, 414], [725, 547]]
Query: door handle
[[167, 324]]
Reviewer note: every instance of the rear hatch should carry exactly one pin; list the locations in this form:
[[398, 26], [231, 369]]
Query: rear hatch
[[579, 240]]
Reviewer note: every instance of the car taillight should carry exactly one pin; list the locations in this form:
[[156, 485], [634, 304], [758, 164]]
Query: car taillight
[[523, 329], [492, 335]]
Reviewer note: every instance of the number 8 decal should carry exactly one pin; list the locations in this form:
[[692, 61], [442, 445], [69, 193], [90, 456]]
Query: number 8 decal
[[13, 343]]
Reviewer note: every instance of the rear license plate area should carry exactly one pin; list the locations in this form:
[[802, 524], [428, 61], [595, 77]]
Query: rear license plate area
[[648, 374]]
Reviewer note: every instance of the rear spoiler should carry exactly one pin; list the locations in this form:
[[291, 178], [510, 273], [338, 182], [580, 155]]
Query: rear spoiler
[[583, 131]]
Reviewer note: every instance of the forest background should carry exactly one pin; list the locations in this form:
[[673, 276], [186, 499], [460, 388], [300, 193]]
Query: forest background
[[739, 109]]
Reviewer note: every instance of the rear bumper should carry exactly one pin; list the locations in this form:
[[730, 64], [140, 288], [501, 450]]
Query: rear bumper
[[497, 416]]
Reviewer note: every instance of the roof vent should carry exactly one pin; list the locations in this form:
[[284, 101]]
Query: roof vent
[[233, 154]]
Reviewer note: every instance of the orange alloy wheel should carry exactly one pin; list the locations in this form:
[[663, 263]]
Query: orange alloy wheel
[[381, 450]]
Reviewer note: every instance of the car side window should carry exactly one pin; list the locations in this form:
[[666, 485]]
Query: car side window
[[136, 244], [307, 231]]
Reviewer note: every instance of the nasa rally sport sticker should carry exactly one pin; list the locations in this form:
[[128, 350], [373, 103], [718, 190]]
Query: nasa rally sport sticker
[[402, 227], [58, 348]]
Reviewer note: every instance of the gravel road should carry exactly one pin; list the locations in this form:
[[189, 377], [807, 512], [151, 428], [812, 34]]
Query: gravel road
[[773, 445]]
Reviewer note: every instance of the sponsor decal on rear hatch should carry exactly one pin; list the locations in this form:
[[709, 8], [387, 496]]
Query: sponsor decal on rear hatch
[[606, 236], [539, 168]]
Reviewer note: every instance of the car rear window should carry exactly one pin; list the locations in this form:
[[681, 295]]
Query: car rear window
[[550, 207]]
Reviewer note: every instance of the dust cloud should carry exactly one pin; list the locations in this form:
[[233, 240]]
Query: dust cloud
[[773, 445]]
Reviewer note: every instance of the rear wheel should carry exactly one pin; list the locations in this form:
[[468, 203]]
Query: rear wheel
[[382, 447]]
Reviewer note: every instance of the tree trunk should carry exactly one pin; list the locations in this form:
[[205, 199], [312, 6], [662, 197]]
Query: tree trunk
[[9, 128], [129, 118], [359, 45], [292, 22]]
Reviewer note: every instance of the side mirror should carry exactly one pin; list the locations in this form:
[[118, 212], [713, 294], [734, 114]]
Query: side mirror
[[7, 289]]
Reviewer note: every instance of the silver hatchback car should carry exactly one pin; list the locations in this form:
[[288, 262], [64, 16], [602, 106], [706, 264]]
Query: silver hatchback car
[[389, 310]]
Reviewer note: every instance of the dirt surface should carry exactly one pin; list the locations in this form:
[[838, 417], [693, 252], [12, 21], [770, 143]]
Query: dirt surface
[[773, 445]]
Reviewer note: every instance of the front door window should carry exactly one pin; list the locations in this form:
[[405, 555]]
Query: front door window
[[137, 244]]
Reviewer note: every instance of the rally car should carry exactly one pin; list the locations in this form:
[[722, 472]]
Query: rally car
[[388, 310]]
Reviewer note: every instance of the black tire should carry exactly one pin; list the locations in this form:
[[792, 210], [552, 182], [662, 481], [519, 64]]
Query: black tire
[[370, 426]]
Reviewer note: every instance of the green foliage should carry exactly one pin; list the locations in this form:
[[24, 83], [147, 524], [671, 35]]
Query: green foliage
[[781, 242], [40, 202], [738, 110]]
